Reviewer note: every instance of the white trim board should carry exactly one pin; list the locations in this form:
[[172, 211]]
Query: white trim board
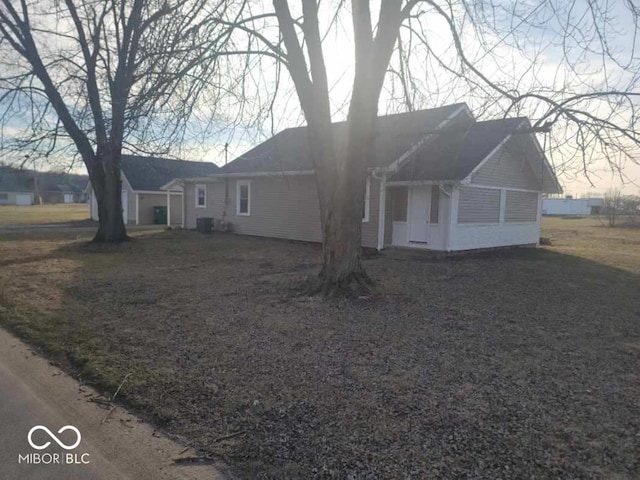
[[515, 189]]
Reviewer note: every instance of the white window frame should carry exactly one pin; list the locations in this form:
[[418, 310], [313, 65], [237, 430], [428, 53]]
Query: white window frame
[[241, 183], [204, 188], [367, 201]]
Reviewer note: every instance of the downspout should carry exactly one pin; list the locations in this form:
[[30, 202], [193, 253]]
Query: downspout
[[381, 209]]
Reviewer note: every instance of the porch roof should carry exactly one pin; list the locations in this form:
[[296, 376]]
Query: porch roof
[[453, 154]]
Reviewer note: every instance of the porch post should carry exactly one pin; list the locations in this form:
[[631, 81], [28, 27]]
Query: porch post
[[137, 209], [184, 205], [168, 207], [381, 211]]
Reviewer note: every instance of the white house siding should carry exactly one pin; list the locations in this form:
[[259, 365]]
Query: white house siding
[[516, 222], [280, 207], [16, 198], [504, 169], [468, 237], [131, 203]]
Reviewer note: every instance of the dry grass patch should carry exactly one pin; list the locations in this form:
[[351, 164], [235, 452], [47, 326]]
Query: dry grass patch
[[590, 238], [517, 364], [41, 214]]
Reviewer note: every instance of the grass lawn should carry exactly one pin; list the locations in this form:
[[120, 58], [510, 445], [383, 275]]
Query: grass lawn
[[38, 214], [513, 364]]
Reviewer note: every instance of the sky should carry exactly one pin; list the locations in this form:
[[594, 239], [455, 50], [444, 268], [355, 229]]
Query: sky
[[507, 62]]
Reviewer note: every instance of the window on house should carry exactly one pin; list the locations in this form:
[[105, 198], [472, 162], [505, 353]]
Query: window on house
[[521, 207], [4, 196], [400, 198], [201, 196], [435, 204], [243, 197], [367, 194], [479, 205]]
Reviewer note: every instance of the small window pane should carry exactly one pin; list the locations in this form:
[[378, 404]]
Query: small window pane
[[435, 204], [4, 196], [201, 196], [400, 196], [243, 198]]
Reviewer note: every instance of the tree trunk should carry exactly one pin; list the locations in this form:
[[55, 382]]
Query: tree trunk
[[107, 187], [342, 269]]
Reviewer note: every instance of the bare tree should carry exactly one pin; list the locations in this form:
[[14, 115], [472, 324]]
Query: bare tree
[[613, 205], [96, 75], [400, 58]]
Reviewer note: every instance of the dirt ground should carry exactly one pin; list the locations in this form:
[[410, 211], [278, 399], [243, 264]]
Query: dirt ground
[[515, 364]]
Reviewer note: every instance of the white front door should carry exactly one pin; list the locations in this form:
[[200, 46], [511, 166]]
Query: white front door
[[419, 207], [125, 206]]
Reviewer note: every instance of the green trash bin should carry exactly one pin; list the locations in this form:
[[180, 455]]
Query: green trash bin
[[160, 215]]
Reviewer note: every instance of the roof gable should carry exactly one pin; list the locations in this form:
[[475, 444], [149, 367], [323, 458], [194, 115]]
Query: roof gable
[[455, 152], [151, 173], [288, 151]]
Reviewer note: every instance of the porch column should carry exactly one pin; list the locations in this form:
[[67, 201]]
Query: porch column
[[184, 205], [168, 208], [381, 211]]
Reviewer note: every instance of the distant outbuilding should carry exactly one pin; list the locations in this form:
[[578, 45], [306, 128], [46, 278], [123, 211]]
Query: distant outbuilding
[[570, 206], [142, 178]]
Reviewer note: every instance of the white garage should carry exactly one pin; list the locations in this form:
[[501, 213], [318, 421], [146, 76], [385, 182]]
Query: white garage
[[23, 199]]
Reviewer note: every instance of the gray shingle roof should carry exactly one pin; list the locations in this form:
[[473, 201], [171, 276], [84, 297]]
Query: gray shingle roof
[[289, 151], [151, 173], [16, 180], [454, 153], [13, 180], [61, 182]]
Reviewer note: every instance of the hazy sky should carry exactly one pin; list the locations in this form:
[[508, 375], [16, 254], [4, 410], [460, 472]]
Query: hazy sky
[[507, 63]]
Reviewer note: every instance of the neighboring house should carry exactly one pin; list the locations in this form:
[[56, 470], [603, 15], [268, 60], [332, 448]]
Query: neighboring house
[[142, 178], [438, 180], [16, 187], [26, 187], [572, 206], [59, 187]]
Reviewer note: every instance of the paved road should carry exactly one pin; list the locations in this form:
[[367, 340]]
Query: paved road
[[32, 392]]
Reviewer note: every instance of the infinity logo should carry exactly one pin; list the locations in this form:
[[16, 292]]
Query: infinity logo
[[54, 438]]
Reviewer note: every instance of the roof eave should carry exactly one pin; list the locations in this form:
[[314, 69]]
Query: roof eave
[[409, 183]]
